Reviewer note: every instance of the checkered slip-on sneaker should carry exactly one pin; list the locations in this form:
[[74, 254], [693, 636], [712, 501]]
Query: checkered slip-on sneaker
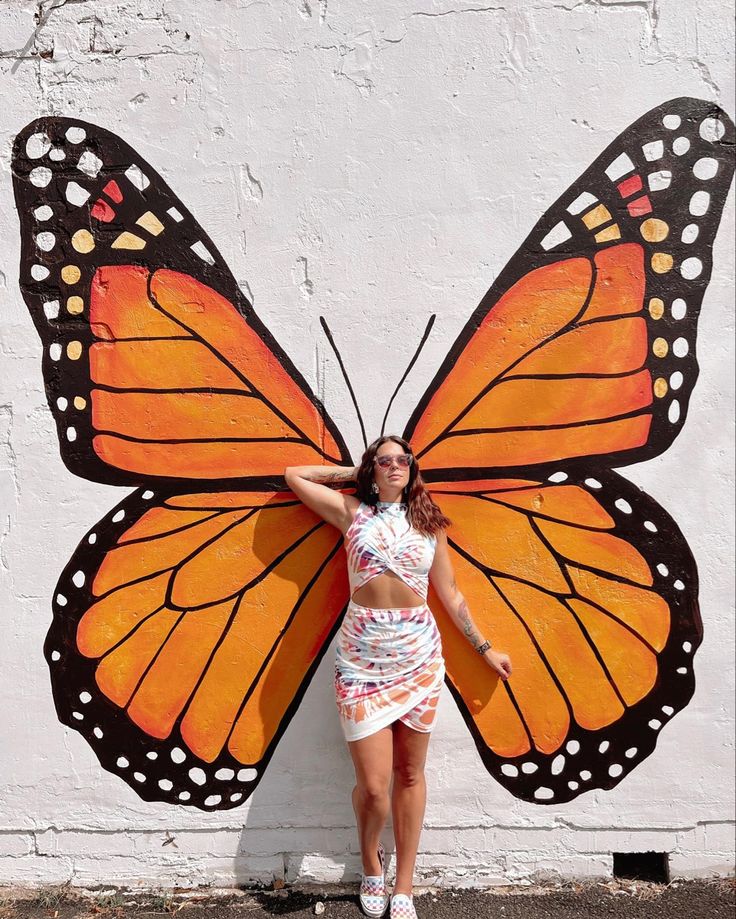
[[373, 897], [402, 907]]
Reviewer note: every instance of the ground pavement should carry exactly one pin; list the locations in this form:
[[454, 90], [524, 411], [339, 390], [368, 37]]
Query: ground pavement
[[712, 899]]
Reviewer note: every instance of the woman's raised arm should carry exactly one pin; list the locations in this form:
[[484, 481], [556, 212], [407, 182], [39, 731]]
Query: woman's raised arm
[[311, 484]]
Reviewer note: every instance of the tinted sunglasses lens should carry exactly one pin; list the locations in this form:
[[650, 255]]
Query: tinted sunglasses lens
[[385, 462]]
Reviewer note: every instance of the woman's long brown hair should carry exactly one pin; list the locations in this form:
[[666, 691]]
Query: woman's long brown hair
[[422, 513]]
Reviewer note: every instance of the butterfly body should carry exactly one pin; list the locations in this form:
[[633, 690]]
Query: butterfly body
[[190, 620]]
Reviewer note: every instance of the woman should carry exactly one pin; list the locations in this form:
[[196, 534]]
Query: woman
[[389, 667]]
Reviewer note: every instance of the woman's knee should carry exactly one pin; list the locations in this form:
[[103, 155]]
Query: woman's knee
[[408, 773], [373, 790]]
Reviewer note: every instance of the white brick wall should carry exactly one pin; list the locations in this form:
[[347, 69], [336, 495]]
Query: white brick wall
[[373, 163]]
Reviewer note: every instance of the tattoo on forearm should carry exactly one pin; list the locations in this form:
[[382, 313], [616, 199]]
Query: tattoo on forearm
[[333, 476], [468, 626]]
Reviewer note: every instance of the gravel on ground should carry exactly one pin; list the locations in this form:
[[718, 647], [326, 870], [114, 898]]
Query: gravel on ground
[[704, 899]]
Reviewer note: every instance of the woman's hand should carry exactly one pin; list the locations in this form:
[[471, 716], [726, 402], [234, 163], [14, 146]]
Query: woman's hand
[[499, 662]]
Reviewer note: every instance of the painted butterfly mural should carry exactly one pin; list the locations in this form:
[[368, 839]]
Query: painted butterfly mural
[[190, 621]]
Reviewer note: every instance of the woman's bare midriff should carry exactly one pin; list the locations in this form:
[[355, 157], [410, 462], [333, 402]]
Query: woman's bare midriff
[[386, 591]]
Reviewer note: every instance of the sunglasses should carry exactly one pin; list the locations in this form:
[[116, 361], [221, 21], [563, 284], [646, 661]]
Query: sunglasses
[[402, 459]]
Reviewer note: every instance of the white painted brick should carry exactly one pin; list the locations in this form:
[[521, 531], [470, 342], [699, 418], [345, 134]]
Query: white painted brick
[[13, 845], [34, 871], [542, 868], [634, 840], [700, 865], [719, 837]]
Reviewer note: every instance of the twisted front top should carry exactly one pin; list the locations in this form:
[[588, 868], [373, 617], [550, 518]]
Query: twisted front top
[[384, 540]]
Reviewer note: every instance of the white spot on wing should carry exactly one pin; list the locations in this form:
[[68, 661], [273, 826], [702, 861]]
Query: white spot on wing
[[134, 175], [75, 194], [89, 163], [658, 181], [203, 252], [621, 166], [705, 168], [581, 203], [712, 129], [75, 135], [557, 235], [37, 145], [40, 176], [653, 150], [699, 203]]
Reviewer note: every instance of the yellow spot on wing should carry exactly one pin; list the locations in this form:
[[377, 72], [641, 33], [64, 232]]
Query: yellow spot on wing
[[150, 222], [654, 230], [70, 274], [74, 350], [128, 241], [660, 347], [608, 234], [656, 308], [83, 241], [597, 216], [662, 262], [75, 305]]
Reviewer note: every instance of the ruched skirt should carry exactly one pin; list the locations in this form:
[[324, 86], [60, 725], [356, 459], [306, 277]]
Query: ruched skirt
[[388, 667]]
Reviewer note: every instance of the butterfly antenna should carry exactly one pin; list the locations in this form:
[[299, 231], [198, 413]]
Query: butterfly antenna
[[408, 369], [331, 340]]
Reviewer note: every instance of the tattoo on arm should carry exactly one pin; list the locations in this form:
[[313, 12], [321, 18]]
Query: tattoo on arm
[[332, 476], [468, 626], [335, 477]]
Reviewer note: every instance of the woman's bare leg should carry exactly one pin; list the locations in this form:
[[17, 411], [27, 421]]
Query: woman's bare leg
[[408, 800], [372, 758]]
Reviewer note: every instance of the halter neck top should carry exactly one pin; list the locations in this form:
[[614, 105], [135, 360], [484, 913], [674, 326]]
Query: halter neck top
[[384, 540]]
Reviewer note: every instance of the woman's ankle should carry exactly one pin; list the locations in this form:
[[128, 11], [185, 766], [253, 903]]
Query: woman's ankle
[[402, 888], [371, 863]]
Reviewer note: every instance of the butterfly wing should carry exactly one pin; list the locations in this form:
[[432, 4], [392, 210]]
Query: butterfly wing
[[592, 590], [156, 367], [581, 357], [585, 345], [188, 623], [186, 630]]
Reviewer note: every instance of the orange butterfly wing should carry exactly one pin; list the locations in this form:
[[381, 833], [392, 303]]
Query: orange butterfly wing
[[156, 367], [585, 346], [591, 589], [580, 358], [186, 630]]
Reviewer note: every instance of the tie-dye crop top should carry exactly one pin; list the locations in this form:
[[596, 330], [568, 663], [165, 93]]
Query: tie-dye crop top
[[386, 541]]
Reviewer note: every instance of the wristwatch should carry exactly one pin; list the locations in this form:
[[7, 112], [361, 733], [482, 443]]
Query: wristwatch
[[481, 649]]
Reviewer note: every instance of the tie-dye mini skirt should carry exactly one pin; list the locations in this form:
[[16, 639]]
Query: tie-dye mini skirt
[[388, 667]]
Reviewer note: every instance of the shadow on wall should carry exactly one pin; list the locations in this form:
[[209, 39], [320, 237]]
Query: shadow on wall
[[300, 823]]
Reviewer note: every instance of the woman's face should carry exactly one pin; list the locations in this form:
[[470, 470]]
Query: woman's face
[[388, 473]]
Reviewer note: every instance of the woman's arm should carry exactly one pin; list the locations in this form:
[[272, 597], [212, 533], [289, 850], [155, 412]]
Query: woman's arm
[[311, 485], [443, 581]]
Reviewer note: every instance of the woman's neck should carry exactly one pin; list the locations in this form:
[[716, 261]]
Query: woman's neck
[[391, 497]]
